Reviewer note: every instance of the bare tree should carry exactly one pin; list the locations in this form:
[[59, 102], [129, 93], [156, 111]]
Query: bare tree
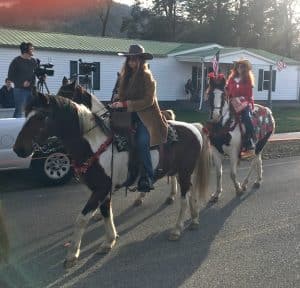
[[104, 7]]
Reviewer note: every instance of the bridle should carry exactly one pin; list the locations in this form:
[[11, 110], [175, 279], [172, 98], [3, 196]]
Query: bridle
[[212, 103]]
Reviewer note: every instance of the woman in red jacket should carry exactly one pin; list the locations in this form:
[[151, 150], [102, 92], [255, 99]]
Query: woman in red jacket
[[240, 85]]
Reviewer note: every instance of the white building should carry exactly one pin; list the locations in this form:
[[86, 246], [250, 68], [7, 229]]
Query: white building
[[172, 66]]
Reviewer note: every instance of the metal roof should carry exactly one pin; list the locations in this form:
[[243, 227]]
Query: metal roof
[[210, 52], [106, 45], [87, 44]]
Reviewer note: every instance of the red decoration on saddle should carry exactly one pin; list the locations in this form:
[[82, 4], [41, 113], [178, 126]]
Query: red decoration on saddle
[[83, 168], [212, 75], [205, 131]]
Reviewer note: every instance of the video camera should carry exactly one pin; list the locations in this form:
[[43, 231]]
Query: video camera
[[86, 68], [43, 69]]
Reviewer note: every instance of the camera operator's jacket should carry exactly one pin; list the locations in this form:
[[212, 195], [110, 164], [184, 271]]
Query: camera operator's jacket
[[140, 95], [21, 70]]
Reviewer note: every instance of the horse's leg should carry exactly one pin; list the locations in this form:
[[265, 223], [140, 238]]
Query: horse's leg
[[171, 198], [194, 208], [96, 215], [79, 227], [110, 229], [246, 179], [184, 182], [140, 199], [233, 170], [218, 159], [259, 170]]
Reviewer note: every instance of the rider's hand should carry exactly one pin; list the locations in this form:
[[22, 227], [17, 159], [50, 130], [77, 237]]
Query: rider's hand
[[119, 104], [26, 84]]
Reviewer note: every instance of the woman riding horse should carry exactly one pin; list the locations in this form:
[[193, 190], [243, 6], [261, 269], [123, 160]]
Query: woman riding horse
[[137, 94], [225, 130], [239, 90]]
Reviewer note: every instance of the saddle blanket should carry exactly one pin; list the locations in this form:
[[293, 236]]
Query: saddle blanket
[[262, 121], [121, 142]]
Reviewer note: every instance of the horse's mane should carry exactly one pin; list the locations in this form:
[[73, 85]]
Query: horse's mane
[[63, 110]]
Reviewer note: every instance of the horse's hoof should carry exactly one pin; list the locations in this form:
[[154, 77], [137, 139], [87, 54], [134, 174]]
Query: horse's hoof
[[106, 247], [69, 263], [137, 202], [104, 250], [239, 192], [174, 236], [194, 226], [97, 217], [256, 185], [169, 201], [213, 199]]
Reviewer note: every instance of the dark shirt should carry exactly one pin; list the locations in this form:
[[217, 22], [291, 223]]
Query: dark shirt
[[21, 70], [7, 97]]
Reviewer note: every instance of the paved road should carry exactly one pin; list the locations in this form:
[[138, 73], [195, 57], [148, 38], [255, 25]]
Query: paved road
[[247, 242]]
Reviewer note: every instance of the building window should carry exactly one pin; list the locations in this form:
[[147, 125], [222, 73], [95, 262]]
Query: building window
[[89, 78], [264, 80]]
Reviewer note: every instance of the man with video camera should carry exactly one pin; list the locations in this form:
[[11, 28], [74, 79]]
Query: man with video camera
[[22, 73]]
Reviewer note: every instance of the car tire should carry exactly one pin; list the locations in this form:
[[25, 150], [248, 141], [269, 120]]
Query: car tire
[[53, 168]]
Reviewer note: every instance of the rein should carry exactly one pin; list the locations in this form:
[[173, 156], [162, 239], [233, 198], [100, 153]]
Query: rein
[[83, 168]]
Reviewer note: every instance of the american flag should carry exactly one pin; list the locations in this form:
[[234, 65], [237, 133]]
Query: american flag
[[215, 62], [281, 65]]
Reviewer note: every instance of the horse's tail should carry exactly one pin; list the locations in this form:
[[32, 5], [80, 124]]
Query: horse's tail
[[201, 173]]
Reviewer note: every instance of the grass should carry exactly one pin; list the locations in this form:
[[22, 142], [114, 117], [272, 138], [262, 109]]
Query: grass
[[287, 118]]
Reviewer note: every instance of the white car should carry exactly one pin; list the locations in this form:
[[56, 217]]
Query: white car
[[50, 161]]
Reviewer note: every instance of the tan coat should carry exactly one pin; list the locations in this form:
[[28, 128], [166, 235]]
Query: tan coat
[[140, 95]]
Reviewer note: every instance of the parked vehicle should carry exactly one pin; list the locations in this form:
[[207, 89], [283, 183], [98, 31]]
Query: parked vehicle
[[50, 162]]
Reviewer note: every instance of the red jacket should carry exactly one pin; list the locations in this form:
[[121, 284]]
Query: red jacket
[[237, 89]]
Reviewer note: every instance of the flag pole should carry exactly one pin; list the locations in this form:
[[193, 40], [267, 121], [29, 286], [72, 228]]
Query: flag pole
[[202, 85]]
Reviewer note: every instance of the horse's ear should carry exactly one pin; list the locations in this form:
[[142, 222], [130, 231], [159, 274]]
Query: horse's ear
[[36, 96], [73, 84], [64, 81]]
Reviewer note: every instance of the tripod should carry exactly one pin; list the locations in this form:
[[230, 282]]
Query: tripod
[[41, 84], [87, 83]]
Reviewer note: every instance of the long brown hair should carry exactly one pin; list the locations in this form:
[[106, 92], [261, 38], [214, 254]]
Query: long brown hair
[[127, 72], [247, 77]]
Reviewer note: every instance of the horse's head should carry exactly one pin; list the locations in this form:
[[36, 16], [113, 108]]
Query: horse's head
[[80, 95], [38, 126], [216, 95], [76, 93]]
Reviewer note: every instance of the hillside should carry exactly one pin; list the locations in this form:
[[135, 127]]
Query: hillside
[[77, 19]]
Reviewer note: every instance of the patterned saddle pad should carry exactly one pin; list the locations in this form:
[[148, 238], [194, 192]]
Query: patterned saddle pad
[[121, 142], [262, 121]]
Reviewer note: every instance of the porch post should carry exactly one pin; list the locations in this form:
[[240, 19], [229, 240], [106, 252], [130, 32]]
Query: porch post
[[202, 85], [270, 88]]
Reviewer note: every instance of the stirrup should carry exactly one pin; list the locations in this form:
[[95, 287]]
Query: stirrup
[[145, 184]]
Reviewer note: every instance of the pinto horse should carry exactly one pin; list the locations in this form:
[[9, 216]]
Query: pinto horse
[[101, 165], [226, 131], [80, 95]]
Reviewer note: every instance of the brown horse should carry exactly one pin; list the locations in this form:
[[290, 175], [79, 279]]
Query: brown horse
[[100, 164]]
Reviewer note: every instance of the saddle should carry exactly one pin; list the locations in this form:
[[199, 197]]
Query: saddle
[[122, 125]]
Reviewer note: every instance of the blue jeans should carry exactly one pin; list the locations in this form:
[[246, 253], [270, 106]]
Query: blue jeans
[[143, 146], [246, 118], [21, 97]]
